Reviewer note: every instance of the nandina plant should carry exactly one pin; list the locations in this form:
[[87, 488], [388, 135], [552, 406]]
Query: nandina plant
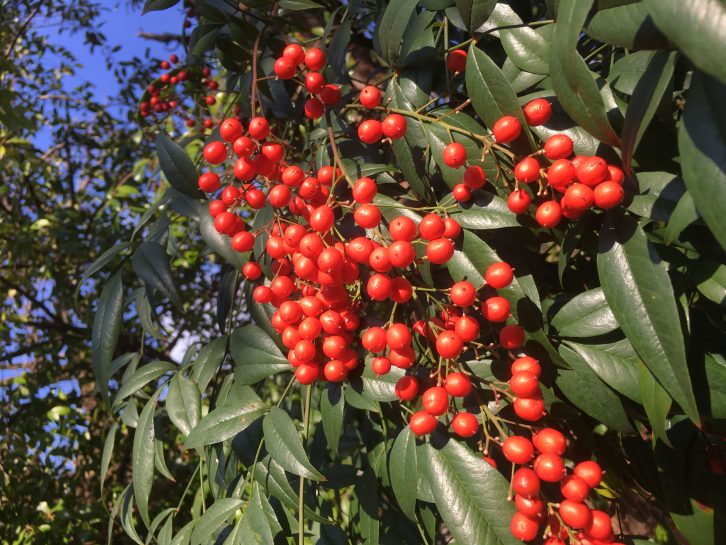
[[471, 277]]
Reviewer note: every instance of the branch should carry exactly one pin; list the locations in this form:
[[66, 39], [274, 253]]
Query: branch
[[164, 37]]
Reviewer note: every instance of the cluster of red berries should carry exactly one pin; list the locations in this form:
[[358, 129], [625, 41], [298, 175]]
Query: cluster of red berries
[[313, 59], [371, 131], [583, 181], [542, 461], [168, 93], [189, 13]]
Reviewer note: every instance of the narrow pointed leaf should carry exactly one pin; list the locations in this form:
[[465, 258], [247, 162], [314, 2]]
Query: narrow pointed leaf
[[213, 518], [106, 330], [285, 446], [177, 167], [183, 403], [141, 377], [151, 264], [403, 468], [142, 457], [224, 422]]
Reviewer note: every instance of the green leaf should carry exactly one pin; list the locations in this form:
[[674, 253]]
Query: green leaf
[[285, 446], [702, 144], [659, 195], [710, 279], [158, 5], [527, 48], [647, 96], [628, 25], [439, 137], [177, 167], [338, 48], [392, 26], [218, 243], [151, 264], [716, 378], [376, 388], [656, 402], [615, 363], [185, 534], [208, 360], [160, 462], [639, 292], [474, 13], [226, 296], [225, 422], [141, 377], [101, 261], [108, 445], [569, 244], [142, 457], [696, 27], [332, 406], [591, 395], [572, 80], [683, 215], [485, 211], [183, 403], [586, 315], [470, 495], [256, 355], [403, 468], [259, 523], [106, 330], [627, 71], [490, 92], [127, 515], [213, 518], [298, 5], [368, 506]]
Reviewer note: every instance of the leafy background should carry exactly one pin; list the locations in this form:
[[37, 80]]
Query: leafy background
[[220, 446]]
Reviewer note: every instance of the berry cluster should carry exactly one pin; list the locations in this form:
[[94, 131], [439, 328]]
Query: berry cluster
[[178, 90], [313, 59]]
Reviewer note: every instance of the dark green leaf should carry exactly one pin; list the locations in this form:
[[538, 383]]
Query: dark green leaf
[[108, 445], [213, 518], [392, 26], [627, 71], [683, 215], [202, 40], [569, 244], [158, 5], [127, 515], [141, 378], [696, 27], [151, 264], [160, 464], [526, 47], [101, 261], [716, 377], [474, 13], [572, 80], [146, 313], [106, 330], [338, 48], [183, 403], [490, 92], [377, 388], [177, 167], [615, 363], [256, 355], [208, 361], [586, 315], [659, 195], [226, 297], [648, 93], [285, 446], [185, 534], [297, 5], [142, 457], [218, 243], [332, 406], [368, 506], [656, 403], [710, 278], [485, 211], [469, 495], [403, 468], [702, 143], [225, 422], [627, 25], [591, 395], [639, 292]]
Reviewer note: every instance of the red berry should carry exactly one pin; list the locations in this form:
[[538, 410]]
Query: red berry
[[499, 275], [615, 174], [435, 401], [452, 229], [440, 250], [315, 59], [495, 309], [549, 214], [394, 126], [608, 195], [262, 294], [518, 201], [243, 241], [506, 129], [560, 173], [401, 228], [454, 155], [314, 82], [600, 526], [401, 254], [579, 197], [537, 112], [432, 227], [322, 218], [467, 328], [335, 371], [208, 182], [381, 366], [527, 170], [590, 472], [330, 94], [526, 364], [463, 293], [243, 146], [373, 339], [532, 507], [524, 384], [456, 60], [549, 440], [461, 193], [511, 337], [259, 128], [449, 345], [474, 177], [215, 152], [370, 131], [523, 527], [573, 488], [465, 424], [529, 408], [525, 482], [398, 336], [307, 373], [422, 423], [549, 467], [230, 129], [379, 287], [558, 146], [251, 270], [367, 216], [313, 108], [592, 171], [575, 515], [364, 190], [370, 96], [284, 68], [458, 384], [518, 449]]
